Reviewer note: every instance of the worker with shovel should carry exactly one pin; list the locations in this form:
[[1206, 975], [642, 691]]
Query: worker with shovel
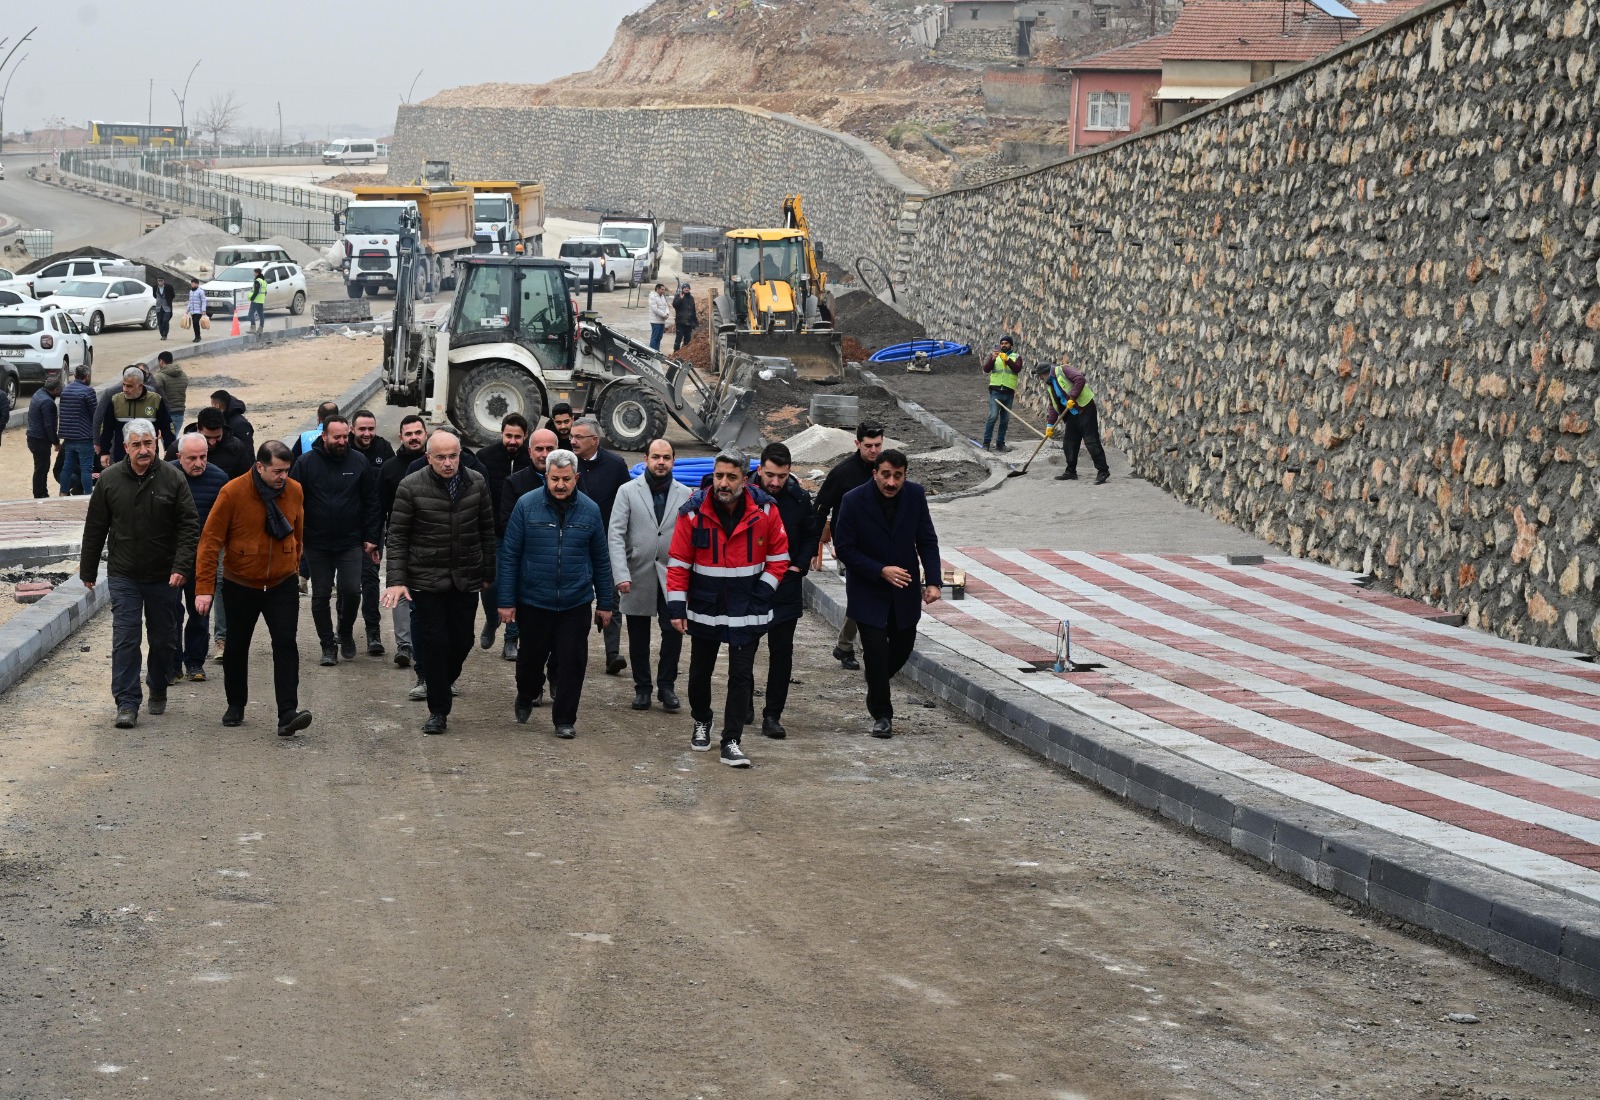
[[1072, 403]]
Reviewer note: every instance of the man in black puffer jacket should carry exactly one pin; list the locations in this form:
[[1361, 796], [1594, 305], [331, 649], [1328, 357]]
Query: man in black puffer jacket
[[441, 556], [341, 492]]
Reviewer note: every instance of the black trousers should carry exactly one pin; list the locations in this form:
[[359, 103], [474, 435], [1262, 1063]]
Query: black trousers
[[280, 607], [371, 610], [42, 451], [441, 627], [884, 652], [780, 666], [194, 325], [192, 639], [164, 326], [542, 634], [639, 648], [325, 567], [682, 334], [1084, 428], [741, 683]]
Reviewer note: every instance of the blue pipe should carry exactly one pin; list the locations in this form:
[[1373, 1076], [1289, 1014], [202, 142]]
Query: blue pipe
[[933, 349]]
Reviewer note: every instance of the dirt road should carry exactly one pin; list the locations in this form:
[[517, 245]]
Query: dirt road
[[366, 912]]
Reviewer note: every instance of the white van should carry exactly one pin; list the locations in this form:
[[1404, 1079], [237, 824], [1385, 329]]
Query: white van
[[350, 151]]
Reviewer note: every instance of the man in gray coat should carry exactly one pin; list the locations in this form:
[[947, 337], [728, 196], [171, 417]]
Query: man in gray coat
[[441, 555], [642, 521]]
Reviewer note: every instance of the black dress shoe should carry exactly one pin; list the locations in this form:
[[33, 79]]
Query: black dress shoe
[[522, 710], [436, 723], [1101, 479], [293, 723], [233, 716], [846, 658], [641, 699], [330, 655], [669, 700], [158, 704], [374, 647], [347, 645], [566, 733], [883, 727], [486, 637], [1066, 475], [773, 728], [616, 664], [127, 717]]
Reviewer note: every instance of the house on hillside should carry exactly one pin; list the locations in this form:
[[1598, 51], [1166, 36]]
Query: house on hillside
[[1220, 46], [1009, 30], [1113, 92]]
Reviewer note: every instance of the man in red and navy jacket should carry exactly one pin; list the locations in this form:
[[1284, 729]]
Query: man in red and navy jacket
[[729, 551]]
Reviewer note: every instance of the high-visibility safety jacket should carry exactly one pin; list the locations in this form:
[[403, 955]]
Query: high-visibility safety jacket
[[258, 292], [1003, 370], [723, 582], [1067, 384]]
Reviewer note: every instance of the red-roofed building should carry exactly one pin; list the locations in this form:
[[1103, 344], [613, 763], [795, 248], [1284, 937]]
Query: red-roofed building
[[1220, 46], [1113, 92]]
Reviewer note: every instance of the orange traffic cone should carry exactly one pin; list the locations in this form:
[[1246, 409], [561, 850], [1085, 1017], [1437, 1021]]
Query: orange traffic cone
[[235, 331]]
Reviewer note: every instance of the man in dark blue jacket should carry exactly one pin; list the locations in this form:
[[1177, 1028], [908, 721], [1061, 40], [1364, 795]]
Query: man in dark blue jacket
[[553, 561], [341, 525], [884, 534], [78, 405], [800, 524], [44, 437], [205, 482]]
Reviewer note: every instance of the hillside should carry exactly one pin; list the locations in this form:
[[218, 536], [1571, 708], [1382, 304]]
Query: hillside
[[850, 65]]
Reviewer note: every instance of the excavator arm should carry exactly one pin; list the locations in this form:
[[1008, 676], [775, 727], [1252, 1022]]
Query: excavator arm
[[794, 217]]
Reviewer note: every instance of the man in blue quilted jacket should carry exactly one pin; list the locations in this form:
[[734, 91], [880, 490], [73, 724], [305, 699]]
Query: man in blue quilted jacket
[[555, 565]]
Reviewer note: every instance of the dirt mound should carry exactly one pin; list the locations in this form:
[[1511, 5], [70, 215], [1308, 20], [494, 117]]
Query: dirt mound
[[872, 323], [187, 244]]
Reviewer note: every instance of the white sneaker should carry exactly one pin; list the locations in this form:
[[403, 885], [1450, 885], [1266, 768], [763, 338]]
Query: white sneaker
[[418, 692]]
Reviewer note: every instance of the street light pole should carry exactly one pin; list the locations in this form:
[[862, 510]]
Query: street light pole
[[183, 114], [3, 95], [3, 64]]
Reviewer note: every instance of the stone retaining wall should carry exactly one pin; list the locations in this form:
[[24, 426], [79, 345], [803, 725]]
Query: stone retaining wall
[[709, 166], [1353, 311]]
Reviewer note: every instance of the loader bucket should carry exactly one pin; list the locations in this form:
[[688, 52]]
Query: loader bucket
[[817, 356]]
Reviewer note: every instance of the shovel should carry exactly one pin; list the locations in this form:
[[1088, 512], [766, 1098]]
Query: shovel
[[1018, 473]]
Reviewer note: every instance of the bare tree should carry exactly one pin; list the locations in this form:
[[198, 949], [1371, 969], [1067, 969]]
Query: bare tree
[[219, 116]]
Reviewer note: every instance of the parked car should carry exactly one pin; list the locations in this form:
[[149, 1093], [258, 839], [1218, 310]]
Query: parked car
[[48, 280], [37, 345], [19, 284], [230, 290], [231, 255], [100, 302], [16, 295], [606, 260]]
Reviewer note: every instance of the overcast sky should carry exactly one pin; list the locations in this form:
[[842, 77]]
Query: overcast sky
[[334, 66]]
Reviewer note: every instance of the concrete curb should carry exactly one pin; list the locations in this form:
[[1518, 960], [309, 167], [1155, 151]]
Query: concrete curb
[[34, 632], [998, 470], [1543, 933]]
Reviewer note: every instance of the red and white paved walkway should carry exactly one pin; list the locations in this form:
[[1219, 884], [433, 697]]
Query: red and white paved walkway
[[1289, 675]]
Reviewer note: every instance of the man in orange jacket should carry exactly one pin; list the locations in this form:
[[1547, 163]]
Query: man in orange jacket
[[257, 524]]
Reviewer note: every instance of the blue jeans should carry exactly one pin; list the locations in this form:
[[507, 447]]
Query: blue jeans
[[77, 468], [258, 315], [131, 602], [998, 398], [656, 333]]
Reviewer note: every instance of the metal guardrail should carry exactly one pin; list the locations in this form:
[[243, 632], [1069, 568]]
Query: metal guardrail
[[280, 194], [317, 232], [194, 150], [143, 183]]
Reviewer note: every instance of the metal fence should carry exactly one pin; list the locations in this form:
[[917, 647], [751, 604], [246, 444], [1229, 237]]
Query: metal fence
[[257, 189], [195, 149], [154, 187], [317, 232]]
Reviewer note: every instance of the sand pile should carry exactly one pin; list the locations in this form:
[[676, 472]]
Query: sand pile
[[183, 244], [301, 253]]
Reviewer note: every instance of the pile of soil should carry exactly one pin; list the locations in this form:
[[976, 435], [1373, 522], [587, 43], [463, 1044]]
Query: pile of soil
[[873, 323], [184, 243], [783, 409]]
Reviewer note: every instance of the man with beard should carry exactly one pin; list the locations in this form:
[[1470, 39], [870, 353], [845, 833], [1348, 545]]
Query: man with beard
[[884, 535], [366, 442], [224, 450], [800, 527], [255, 531], [441, 556], [601, 474], [729, 552], [561, 424], [413, 445], [499, 463], [850, 472], [640, 536], [553, 563], [341, 500], [517, 486]]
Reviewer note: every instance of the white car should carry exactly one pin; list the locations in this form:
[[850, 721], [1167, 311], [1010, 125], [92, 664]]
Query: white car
[[230, 290], [16, 284], [100, 302], [49, 279], [39, 344], [604, 259]]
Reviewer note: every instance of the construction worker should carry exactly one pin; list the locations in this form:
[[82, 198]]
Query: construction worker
[[1072, 404], [258, 302], [1001, 367]]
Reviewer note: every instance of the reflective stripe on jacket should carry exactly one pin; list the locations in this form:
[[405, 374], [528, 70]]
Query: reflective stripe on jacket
[[724, 583]]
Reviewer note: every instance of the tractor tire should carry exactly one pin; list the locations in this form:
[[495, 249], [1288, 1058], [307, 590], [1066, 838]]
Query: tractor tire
[[631, 415], [486, 393]]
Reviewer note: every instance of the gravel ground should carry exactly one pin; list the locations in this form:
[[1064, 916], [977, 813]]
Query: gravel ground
[[364, 911], [55, 573]]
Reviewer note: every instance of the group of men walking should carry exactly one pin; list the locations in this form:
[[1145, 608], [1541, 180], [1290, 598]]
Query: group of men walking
[[549, 536]]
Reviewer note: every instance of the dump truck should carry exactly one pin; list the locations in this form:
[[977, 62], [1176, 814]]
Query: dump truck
[[771, 304], [506, 214], [514, 340], [370, 226]]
